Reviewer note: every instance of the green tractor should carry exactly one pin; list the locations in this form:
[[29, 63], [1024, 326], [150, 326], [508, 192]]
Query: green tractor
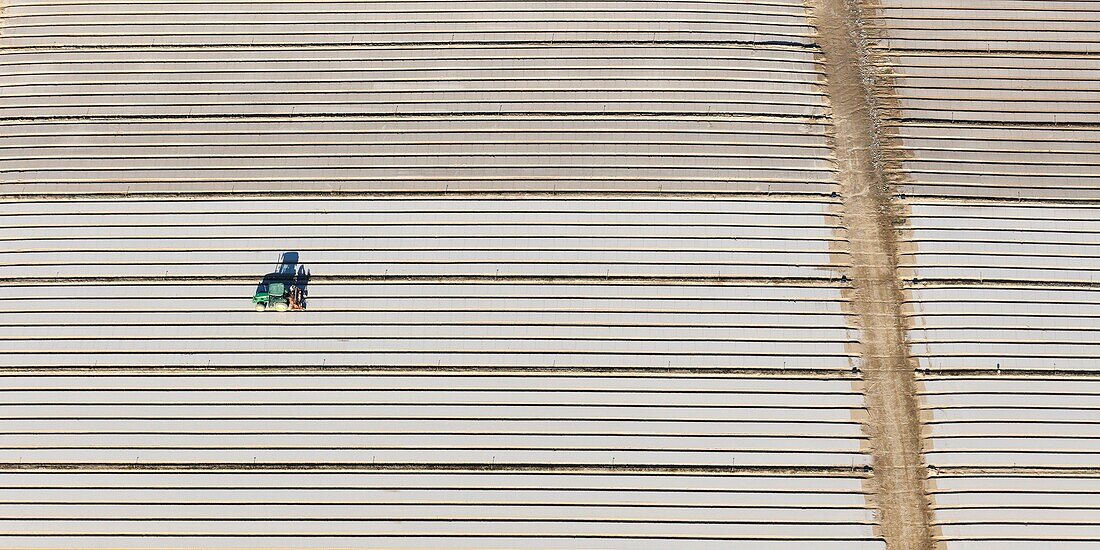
[[278, 296], [285, 288]]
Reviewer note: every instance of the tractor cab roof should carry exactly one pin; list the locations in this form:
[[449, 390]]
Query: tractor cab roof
[[271, 288]]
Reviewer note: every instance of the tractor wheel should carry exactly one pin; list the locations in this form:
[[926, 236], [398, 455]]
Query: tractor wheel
[[261, 307], [281, 306]]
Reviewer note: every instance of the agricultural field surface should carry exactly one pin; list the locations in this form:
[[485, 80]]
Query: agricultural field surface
[[711, 274]]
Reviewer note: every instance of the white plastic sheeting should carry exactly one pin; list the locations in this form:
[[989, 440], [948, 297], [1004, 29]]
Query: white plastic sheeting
[[37, 23], [1001, 512], [322, 96], [995, 99], [702, 344], [1023, 422], [423, 237], [433, 419], [1055, 243], [499, 509], [974, 327], [431, 325], [996, 102]]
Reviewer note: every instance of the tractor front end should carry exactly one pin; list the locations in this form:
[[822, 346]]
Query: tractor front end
[[279, 297], [270, 296]]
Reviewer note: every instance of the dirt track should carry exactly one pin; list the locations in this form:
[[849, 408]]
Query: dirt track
[[869, 213]]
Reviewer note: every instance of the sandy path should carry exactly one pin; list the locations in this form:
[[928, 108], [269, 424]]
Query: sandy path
[[893, 422]]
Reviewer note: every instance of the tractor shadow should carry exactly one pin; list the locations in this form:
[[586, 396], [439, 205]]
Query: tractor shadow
[[289, 272]]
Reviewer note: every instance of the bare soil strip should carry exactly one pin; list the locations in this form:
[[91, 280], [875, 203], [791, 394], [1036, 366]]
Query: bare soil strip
[[869, 214]]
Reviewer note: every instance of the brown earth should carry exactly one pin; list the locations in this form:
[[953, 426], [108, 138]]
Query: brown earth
[[870, 214]]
